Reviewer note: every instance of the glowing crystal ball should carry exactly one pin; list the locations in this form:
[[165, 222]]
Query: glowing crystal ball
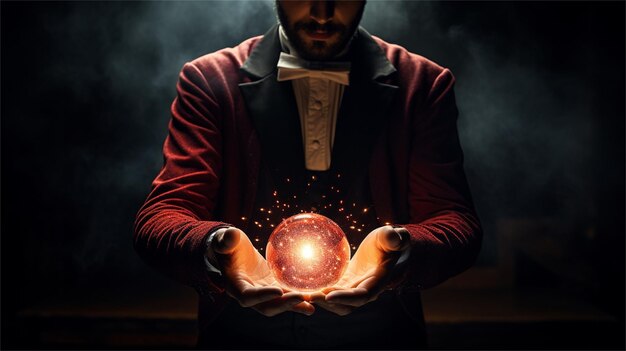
[[307, 252]]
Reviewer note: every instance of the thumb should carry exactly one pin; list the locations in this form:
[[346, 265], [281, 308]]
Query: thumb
[[226, 240], [390, 239]]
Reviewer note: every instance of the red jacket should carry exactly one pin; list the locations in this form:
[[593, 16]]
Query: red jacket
[[212, 157]]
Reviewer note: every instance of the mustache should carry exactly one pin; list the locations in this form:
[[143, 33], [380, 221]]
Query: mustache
[[313, 26]]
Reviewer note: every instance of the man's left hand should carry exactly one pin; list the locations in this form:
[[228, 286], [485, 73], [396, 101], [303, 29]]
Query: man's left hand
[[369, 272]]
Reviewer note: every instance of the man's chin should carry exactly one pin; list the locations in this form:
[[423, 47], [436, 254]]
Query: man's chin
[[318, 50]]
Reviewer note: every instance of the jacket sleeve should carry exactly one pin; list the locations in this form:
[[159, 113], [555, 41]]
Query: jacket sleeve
[[445, 230], [173, 224]]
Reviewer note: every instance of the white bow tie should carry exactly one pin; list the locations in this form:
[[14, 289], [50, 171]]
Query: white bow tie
[[291, 67]]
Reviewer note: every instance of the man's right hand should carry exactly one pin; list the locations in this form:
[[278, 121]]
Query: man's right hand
[[248, 277]]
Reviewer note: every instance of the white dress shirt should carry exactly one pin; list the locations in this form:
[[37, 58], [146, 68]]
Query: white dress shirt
[[318, 101]]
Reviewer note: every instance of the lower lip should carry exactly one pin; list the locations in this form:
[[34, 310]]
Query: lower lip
[[319, 35]]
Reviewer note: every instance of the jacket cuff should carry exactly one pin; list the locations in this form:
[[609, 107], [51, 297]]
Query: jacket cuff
[[208, 253], [206, 281], [407, 277]]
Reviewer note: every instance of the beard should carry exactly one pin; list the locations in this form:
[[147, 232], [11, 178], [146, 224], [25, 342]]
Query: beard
[[318, 50]]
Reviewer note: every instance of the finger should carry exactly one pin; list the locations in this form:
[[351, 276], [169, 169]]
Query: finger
[[337, 309], [309, 297], [319, 299], [392, 239], [226, 241], [325, 291], [355, 297], [294, 295], [280, 304], [316, 297], [330, 289], [304, 307]]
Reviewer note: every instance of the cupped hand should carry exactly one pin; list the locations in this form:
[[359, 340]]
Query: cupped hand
[[248, 278], [369, 272]]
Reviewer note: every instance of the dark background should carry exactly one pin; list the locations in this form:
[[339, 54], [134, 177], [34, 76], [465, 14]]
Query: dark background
[[86, 88]]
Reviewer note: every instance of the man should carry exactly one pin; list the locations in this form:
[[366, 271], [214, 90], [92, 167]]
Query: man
[[314, 116]]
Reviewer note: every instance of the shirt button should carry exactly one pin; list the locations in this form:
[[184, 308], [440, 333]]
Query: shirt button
[[317, 105], [315, 145]]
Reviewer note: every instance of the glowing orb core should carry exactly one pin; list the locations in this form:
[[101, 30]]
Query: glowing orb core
[[307, 252]]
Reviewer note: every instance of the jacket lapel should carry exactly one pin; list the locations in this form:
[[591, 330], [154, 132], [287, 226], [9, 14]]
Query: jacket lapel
[[368, 104], [274, 113], [271, 106]]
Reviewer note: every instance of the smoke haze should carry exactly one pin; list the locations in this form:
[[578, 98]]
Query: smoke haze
[[87, 88]]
